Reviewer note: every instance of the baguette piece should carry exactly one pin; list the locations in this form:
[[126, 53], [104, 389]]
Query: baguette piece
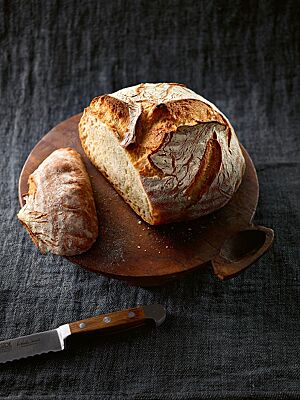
[[59, 212], [170, 153]]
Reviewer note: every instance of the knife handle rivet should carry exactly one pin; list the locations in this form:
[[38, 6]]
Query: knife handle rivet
[[106, 320], [82, 325], [131, 314]]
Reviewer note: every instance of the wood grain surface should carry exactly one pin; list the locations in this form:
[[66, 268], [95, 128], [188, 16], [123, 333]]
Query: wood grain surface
[[128, 248], [110, 322]]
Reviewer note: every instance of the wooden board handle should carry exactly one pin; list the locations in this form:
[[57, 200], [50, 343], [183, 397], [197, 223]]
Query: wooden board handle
[[241, 250], [120, 320]]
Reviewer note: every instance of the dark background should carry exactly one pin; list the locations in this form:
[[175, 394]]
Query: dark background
[[237, 339]]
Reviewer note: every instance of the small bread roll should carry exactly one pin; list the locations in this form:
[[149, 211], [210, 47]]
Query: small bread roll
[[60, 213]]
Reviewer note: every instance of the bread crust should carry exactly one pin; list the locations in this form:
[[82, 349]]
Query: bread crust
[[184, 149], [59, 212]]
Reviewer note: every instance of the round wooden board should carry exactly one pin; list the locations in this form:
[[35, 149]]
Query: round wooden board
[[128, 248]]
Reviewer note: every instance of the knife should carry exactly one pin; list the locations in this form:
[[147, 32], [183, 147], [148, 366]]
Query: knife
[[54, 340]]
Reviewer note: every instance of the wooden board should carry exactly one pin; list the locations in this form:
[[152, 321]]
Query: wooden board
[[130, 249]]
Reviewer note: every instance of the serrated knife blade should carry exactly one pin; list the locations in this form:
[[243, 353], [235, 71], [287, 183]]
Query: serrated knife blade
[[54, 340], [31, 345]]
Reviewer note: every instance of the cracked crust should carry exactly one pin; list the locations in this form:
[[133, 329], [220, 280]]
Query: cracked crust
[[183, 149], [59, 213]]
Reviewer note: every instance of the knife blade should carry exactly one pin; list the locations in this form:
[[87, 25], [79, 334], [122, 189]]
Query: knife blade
[[54, 339]]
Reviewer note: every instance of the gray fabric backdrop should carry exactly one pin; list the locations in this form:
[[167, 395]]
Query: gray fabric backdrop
[[235, 339]]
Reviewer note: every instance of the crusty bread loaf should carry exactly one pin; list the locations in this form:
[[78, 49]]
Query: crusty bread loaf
[[170, 153], [59, 212]]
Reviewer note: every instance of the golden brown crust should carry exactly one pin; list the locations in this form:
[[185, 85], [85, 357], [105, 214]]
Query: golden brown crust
[[59, 212], [207, 172], [184, 149], [146, 122], [119, 115]]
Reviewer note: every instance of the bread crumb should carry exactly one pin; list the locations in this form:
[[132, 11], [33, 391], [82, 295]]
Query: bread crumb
[[139, 247], [139, 222], [167, 247], [189, 229], [145, 250]]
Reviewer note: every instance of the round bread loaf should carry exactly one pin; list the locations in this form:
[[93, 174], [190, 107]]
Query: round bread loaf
[[171, 154]]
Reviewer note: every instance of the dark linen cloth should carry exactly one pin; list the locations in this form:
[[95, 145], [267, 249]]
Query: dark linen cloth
[[237, 339]]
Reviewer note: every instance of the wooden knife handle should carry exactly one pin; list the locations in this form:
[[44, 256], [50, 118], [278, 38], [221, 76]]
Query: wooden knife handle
[[111, 322]]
